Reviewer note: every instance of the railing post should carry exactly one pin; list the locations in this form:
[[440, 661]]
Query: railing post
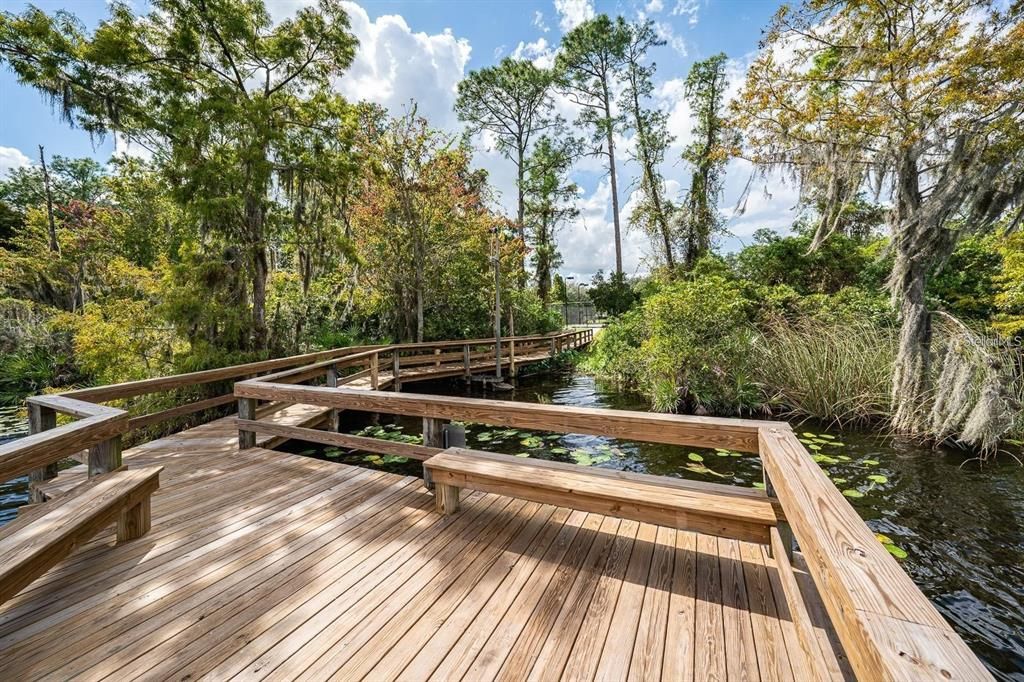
[[433, 436], [246, 410], [333, 419], [40, 419], [551, 350], [785, 530], [105, 457], [437, 363], [374, 371], [395, 368], [511, 357], [465, 361]]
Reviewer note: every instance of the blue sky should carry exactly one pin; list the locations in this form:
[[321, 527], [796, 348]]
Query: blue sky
[[420, 49]]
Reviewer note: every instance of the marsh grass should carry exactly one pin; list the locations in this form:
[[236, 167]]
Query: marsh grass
[[831, 372]]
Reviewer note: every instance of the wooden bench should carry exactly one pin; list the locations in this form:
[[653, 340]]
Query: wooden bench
[[40, 538], [713, 509]]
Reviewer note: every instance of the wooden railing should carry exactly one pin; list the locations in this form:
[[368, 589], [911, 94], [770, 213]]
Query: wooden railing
[[96, 433], [887, 627]]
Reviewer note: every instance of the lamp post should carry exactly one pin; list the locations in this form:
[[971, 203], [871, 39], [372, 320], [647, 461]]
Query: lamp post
[[579, 301], [565, 298], [497, 303]]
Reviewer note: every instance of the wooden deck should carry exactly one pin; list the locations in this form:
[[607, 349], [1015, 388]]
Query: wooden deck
[[262, 564]]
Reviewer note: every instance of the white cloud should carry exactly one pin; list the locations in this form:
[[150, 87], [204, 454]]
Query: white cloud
[[688, 8], [572, 13], [537, 50], [666, 33], [538, 21], [499, 52], [654, 6], [394, 65], [588, 243], [11, 158]]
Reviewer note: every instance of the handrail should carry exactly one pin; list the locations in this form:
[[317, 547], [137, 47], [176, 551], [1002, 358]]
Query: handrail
[[98, 428], [889, 629], [672, 429]]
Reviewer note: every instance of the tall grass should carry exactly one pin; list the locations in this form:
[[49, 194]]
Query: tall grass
[[840, 373]]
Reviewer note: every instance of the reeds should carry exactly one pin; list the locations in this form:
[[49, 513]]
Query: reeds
[[840, 373]]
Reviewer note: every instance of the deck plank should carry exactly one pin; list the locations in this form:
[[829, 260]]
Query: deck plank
[[268, 565]]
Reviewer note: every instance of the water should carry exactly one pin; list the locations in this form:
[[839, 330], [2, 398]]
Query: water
[[14, 493], [959, 524]]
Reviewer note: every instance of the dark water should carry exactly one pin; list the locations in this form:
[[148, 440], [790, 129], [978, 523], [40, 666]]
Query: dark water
[[959, 524]]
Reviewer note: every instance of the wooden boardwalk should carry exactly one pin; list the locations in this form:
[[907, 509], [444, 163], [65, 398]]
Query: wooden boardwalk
[[267, 565]]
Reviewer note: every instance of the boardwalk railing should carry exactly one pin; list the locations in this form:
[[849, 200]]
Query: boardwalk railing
[[95, 434], [886, 626]]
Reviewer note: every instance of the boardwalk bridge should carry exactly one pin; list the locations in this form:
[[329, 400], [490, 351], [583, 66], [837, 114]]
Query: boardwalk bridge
[[207, 554]]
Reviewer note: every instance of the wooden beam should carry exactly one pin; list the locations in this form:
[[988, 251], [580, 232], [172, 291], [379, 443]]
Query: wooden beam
[[145, 420], [797, 608], [40, 418], [888, 628], [105, 456], [19, 457], [375, 445], [733, 434], [246, 413]]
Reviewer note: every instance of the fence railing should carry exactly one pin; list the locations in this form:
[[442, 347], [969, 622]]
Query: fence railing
[[96, 431]]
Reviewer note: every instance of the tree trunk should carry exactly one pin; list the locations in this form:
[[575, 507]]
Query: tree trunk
[[260, 271], [911, 368], [54, 245], [609, 134], [521, 212]]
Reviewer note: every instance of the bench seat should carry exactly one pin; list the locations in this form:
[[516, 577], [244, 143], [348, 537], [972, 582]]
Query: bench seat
[[714, 509], [49, 532]]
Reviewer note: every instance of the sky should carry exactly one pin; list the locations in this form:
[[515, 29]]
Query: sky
[[420, 50]]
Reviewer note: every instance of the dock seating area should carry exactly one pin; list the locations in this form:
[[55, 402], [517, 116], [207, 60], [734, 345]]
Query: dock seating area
[[265, 565], [715, 509]]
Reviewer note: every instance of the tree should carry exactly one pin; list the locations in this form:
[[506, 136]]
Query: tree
[[512, 102], [211, 87], [548, 204], [705, 91], [613, 295], [922, 100], [653, 214], [592, 55]]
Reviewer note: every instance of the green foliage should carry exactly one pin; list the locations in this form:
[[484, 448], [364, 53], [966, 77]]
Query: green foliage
[[965, 285], [772, 260], [1009, 299], [835, 371], [614, 295]]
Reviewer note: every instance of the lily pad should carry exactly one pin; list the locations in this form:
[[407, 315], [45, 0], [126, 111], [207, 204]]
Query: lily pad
[[558, 451], [853, 493], [826, 436], [532, 442], [897, 552], [694, 457], [522, 454], [807, 434], [758, 485], [870, 462], [839, 481], [485, 436], [878, 478], [884, 539]]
